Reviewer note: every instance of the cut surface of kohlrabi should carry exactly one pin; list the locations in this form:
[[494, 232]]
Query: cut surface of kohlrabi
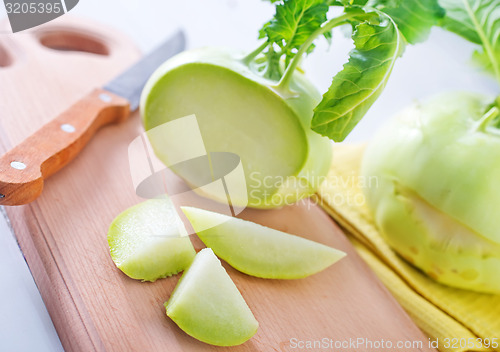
[[148, 241], [240, 112], [207, 305], [258, 250]]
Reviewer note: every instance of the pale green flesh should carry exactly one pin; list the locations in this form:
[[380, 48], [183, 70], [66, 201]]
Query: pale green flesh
[[207, 305], [443, 248], [148, 241], [235, 115], [278, 157], [260, 251], [438, 190], [433, 151]]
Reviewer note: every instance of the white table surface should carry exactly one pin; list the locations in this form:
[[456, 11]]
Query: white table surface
[[440, 64]]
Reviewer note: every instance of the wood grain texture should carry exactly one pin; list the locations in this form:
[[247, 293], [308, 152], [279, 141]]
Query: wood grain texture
[[63, 233]]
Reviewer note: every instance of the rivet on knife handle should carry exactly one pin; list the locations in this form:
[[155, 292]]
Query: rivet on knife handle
[[24, 168]]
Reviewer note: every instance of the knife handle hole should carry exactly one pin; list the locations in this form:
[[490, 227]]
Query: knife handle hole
[[72, 41], [5, 59]]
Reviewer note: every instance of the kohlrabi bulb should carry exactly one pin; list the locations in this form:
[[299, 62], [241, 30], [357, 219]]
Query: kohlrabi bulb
[[240, 111], [437, 201]]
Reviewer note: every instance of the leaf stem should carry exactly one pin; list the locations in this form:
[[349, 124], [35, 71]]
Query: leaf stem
[[328, 26], [487, 45], [252, 55], [486, 119]]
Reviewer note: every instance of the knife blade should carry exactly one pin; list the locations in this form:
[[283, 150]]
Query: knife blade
[[24, 168], [130, 83]]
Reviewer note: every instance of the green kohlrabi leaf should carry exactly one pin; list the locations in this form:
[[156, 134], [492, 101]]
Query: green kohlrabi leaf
[[373, 3], [347, 2], [293, 23], [414, 18], [358, 85], [479, 22]]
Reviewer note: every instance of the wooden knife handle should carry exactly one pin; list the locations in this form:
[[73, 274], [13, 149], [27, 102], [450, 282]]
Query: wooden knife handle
[[24, 168]]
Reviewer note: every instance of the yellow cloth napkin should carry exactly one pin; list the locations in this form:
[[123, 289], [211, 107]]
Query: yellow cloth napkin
[[453, 317]]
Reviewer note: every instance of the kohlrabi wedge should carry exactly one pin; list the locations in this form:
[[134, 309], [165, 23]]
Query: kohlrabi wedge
[[207, 305], [437, 197], [148, 241], [258, 250], [261, 107]]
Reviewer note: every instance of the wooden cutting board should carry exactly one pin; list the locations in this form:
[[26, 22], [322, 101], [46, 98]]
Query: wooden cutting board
[[63, 234]]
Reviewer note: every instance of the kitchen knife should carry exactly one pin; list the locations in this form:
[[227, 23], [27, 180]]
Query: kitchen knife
[[24, 168]]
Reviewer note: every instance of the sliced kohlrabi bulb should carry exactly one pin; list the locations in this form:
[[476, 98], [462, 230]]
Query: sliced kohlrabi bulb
[[258, 250], [148, 241], [207, 305], [241, 112]]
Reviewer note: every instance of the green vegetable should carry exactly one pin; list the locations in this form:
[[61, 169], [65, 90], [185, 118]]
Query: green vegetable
[[414, 18], [479, 22], [358, 85], [148, 241], [437, 168], [238, 112], [258, 250], [207, 305], [437, 199], [261, 107]]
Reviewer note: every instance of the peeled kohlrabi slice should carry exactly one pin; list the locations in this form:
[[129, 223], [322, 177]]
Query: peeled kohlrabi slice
[[207, 305], [148, 241], [258, 250]]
